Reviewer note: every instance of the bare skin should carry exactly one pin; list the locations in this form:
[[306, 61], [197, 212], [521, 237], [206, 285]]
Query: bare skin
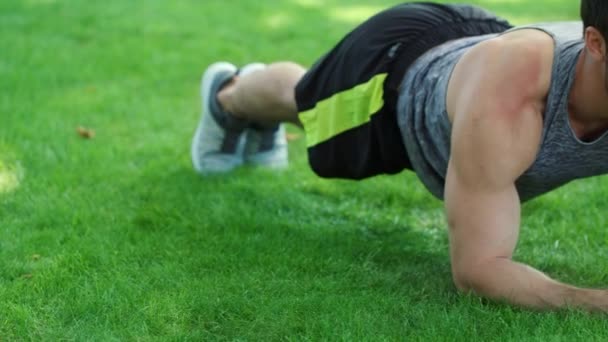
[[496, 98], [266, 95]]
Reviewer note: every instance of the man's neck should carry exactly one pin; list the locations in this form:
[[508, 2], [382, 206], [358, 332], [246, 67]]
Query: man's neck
[[588, 101]]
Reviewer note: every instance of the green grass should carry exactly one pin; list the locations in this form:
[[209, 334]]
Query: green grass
[[116, 238]]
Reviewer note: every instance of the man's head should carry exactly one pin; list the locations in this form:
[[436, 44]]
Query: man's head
[[594, 14]]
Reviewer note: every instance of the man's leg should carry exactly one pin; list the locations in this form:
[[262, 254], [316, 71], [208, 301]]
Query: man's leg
[[265, 96]]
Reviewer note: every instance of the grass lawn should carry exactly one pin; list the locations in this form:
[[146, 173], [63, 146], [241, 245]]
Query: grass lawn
[[116, 238]]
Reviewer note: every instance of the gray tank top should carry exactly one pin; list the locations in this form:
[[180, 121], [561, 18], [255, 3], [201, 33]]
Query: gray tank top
[[426, 128]]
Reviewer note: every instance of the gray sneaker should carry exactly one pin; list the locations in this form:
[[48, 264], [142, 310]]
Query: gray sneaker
[[218, 142], [265, 145]]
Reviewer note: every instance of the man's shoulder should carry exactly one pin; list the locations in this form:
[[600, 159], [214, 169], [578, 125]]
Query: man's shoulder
[[526, 41], [519, 48], [504, 82], [525, 61], [515, 66]]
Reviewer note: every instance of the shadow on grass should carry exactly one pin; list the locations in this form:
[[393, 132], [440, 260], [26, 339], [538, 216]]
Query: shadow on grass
[[279, 252], [259, 224]]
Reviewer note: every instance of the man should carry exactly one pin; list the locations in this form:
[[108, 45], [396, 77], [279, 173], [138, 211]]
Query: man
[[486, 118]]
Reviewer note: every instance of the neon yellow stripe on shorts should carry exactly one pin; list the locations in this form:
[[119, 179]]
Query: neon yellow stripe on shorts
[[343, 111]]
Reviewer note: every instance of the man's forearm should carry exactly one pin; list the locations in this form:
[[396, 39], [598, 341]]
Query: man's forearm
[[519, 284]]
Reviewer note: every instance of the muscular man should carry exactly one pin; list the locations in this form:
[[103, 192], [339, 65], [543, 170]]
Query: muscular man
[[488, 116]]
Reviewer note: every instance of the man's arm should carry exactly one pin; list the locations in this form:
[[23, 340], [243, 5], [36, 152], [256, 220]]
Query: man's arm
[[495, 99], [483, 235]]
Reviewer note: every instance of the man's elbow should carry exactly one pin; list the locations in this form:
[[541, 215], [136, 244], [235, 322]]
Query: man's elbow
[[468, 280], [462, 282]]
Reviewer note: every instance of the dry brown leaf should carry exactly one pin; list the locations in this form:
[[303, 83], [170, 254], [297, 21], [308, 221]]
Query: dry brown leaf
[[85, 133]]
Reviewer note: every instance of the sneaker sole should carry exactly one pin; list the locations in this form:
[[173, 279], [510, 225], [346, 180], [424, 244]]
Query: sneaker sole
[[206, 83]]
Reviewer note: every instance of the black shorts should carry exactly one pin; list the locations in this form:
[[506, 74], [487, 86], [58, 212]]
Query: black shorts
[[347, 100]]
